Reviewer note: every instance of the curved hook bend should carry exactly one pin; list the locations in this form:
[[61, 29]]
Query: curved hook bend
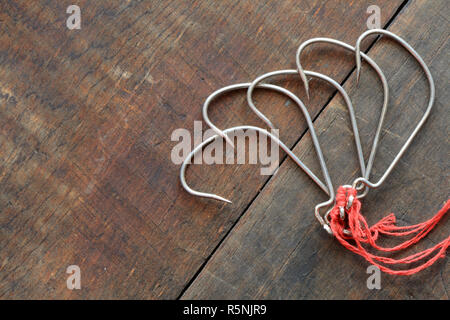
[[222, 133], [321, 76], [213, 138], [383, 80], [422, 120], [305, 112]]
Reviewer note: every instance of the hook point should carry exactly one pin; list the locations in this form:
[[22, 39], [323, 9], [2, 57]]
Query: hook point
[[358, 73], [306, 85], [228, 140], [223, 199], [270, 124]]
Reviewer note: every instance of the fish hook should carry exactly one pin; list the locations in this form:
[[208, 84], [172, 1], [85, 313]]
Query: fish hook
[[427, 72], [322, 77], [222, 133], [229, 130], [383, 82], [349, 106]]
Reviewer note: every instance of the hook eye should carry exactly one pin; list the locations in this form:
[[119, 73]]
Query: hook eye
[[347, 232], [342, 213], [350, 202]]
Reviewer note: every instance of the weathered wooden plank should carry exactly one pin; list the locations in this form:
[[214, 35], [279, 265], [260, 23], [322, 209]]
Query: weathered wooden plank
[[278, 250], [86, 118]]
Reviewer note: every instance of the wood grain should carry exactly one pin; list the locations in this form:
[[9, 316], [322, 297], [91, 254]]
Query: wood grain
[[86, 118], [277, 250]]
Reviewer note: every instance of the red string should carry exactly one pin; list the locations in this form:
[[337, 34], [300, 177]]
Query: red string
[[360, 234]]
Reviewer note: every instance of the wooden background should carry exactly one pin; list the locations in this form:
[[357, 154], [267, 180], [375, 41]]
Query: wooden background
[[86, 118]]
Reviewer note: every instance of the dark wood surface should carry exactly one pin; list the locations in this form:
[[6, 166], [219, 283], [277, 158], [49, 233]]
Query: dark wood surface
[[86, 118]]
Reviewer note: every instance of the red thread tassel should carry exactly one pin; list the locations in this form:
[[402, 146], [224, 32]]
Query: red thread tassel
[[362, 234]]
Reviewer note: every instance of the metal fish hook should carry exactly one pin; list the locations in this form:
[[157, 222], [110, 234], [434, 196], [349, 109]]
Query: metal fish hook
[[349, 106], [305, 112], [319, 76], [327, 189], [310, 125], [426, 114], [383, 82], [221, 133], [213, 138]]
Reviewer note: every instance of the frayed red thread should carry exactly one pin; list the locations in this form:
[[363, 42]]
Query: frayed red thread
[[360, 233]]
